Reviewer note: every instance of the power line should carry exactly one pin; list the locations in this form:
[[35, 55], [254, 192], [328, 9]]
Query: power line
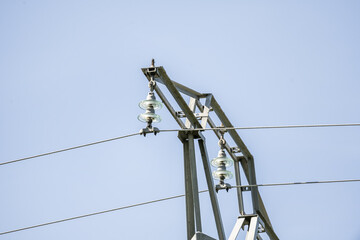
[[176, 130], [68, 149], [95, 213], [169, 198], [295, 183], [267, 127]]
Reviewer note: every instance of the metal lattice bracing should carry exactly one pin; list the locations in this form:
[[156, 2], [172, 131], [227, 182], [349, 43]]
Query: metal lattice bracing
[[239, 153]]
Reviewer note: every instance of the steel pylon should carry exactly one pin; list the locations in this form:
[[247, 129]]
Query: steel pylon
[[193, 117]]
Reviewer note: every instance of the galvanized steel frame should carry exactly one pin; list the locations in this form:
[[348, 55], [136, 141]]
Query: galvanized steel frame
[[246, 159]]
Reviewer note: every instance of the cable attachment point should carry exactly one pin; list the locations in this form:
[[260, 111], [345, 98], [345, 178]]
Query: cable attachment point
[[222, 185], [152, 84], [151, 73], [149, 129], [222, 141]]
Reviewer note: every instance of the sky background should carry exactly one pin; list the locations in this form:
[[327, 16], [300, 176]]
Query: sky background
[[70, 74]]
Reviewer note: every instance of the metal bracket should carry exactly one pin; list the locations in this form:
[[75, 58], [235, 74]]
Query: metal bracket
[[200, 115], [235, 150], [180, 114], [261, 229], [245, 189], [183, 135], [152, 71]]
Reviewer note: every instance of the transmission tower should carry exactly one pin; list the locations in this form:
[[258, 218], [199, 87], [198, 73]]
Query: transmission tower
[[193, 117]]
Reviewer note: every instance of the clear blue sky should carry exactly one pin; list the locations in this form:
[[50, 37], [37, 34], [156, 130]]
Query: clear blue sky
[[70, 74]]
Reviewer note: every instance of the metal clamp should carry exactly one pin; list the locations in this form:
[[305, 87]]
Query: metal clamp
[[222, 186], [151, 129], [180, 114]]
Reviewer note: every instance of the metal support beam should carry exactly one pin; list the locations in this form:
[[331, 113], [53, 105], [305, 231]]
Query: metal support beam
[[216, 132], [253, 229], [244, 163], [268, 228], [190, 221], [212, 194], [206, 110], [160, 73], [192, 107], [254, 190], [177, 96], [168, 106], [238, 225], [201, 236], [263, 214], [195, 189], [239, 190], [235, 136]]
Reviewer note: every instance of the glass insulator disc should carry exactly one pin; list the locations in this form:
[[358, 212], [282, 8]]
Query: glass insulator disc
[[219, 173], [144, 117], [147, 103], [228, 162]]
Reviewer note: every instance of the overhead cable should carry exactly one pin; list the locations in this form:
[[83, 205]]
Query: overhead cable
[[266, 127], [294, 183], [165, 199], [95, 213], [68, 149], [177, 130]]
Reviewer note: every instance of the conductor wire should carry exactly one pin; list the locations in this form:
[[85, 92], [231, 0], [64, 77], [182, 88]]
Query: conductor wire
[[96, 213], [168, 198], [183, 130], [68, 149], [265, 127]]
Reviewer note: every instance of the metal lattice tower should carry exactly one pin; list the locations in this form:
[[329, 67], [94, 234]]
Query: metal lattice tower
[[258, 221]]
